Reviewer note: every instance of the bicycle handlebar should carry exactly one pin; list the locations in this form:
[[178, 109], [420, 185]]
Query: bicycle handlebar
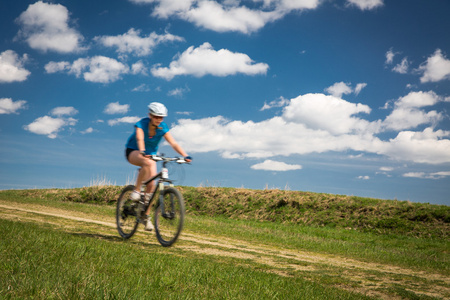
[[179, 160]]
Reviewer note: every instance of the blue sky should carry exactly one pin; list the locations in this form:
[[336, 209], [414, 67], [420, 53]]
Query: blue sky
[[338, 96]]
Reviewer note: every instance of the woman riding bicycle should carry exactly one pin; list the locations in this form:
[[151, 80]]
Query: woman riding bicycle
[[143, 143]]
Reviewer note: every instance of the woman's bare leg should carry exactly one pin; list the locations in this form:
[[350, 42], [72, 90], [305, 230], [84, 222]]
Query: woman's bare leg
[[148, 169]]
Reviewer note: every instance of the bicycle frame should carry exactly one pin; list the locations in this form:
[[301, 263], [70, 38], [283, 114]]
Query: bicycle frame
[[159, 187]]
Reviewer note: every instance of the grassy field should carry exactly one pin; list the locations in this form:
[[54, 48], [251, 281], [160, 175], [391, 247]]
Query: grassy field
[[237, 244]]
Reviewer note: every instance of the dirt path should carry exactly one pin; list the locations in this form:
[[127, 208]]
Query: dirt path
[[363, 277]]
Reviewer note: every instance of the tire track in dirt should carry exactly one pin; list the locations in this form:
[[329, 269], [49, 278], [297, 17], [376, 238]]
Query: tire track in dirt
[[362, 277]]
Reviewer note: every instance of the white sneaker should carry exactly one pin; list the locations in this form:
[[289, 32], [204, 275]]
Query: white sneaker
[[149, 225], [135, 196], [148, 196]]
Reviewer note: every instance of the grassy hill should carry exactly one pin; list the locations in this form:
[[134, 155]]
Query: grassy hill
[[291, 207]]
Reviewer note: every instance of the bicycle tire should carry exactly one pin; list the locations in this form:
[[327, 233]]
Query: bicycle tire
[[168, 227], [127, 213]]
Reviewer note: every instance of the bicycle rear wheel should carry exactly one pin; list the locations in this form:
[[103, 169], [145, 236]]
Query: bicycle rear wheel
[[169, 221], [127, 213]]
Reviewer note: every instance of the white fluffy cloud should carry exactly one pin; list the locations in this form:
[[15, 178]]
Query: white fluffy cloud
[[435, 175], [64, 111], [99, 69], [265, 139], [228, 15], [281, 102], [88, 130], [428, 146], [11, 67], [95, 69], [436, 68], [366, 4], [49, 126], [45, 27], [205, 60], [338, 89], [116, 108], [139, 68], [178, 92], [126, 120], [341, 88], [402, 67], [8, 106], [214, 16], [270, 165], [315, 123], [167, 8], [329, 113], [390, 54], [132, 42], [53, 66], [386, 169], [408, 112], [359, 87]]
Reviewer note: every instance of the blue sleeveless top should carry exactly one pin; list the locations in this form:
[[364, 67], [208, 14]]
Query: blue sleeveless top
[[151, 142]]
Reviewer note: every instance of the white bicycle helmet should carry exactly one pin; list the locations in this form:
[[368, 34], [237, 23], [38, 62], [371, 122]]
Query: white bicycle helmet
[[157, 109]]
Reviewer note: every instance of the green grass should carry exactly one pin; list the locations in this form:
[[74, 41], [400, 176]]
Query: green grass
[[417, 253], [96, 263], [40, 263]]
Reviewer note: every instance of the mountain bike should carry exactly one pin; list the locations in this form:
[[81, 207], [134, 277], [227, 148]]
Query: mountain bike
[[169, 211]]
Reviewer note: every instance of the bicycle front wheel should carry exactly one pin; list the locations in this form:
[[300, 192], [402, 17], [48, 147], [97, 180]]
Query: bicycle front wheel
[[169, 216], [127, 213]]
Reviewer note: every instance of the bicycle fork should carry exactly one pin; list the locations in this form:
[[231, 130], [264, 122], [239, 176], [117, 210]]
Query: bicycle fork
[[171, 214]]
